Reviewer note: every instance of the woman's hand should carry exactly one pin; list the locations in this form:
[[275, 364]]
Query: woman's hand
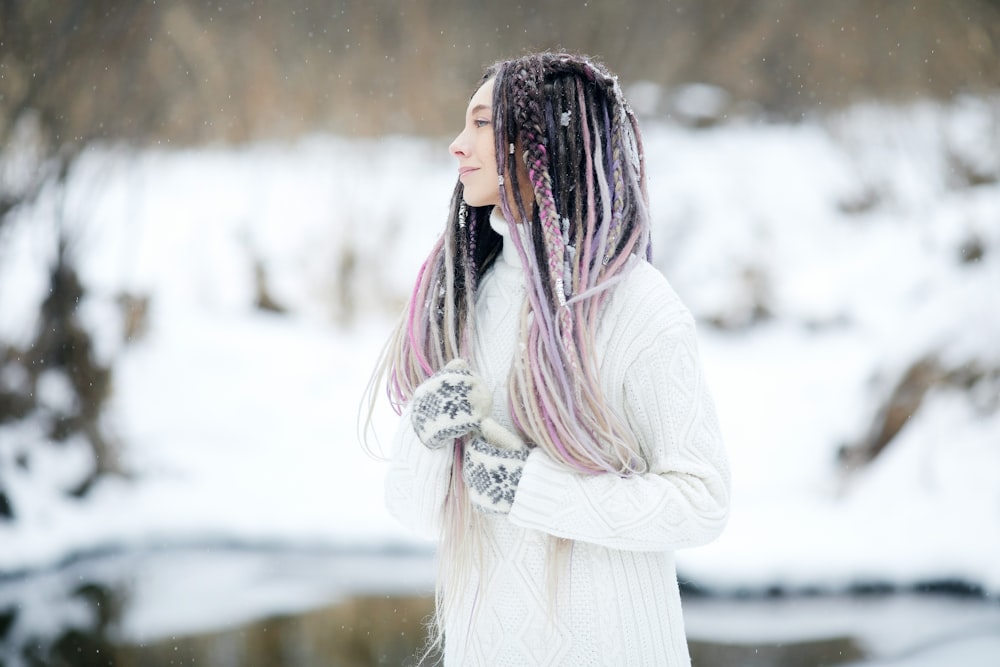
[[449, 404]]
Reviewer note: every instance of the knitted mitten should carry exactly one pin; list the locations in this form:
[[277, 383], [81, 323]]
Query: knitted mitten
[[449, 404], [492, 466]]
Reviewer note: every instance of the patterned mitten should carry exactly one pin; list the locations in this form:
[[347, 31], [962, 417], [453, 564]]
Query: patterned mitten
[[492, 467], [449, 404]]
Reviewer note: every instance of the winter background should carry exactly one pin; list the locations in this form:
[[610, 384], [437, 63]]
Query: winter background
[[844, 267]]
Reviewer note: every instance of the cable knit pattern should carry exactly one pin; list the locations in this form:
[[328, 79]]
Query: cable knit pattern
[[618, 601]]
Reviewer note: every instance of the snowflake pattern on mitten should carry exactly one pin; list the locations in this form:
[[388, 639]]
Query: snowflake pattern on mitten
[[492, 475], [448, 405]]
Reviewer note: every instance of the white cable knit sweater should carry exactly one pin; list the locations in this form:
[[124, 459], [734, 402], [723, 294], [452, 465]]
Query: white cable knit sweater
[[618, 601]]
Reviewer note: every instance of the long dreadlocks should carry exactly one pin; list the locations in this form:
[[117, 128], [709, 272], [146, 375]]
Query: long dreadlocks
[[578, 145], [565, 134]]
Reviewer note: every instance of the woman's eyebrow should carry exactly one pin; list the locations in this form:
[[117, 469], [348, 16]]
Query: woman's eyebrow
[[478, 108]]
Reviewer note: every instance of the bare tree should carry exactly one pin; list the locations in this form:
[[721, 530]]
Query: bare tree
[[61, 81]]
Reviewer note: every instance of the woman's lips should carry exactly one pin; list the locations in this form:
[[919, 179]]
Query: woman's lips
[[465, 170]]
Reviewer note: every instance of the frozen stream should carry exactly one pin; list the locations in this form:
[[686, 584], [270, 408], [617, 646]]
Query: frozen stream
[[224, 606]]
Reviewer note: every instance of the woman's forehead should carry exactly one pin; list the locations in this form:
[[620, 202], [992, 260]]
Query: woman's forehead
[[483, 96]]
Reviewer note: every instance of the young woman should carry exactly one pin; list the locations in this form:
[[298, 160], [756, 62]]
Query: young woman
[[557, 434]]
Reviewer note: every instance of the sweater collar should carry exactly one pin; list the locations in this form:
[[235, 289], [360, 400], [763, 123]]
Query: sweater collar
[[500, 225]]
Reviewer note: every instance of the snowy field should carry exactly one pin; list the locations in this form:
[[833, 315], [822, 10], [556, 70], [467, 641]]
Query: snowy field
[[822, 259]]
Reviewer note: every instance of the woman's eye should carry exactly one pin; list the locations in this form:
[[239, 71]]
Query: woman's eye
[[479, 122]]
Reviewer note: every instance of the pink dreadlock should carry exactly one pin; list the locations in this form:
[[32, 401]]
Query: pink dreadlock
[[581, 156]]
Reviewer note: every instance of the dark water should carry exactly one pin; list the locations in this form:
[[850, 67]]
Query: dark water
[[223, 607], [358, 632]]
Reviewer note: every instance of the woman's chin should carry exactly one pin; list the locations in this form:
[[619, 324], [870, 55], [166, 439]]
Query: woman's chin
[[480, 197]]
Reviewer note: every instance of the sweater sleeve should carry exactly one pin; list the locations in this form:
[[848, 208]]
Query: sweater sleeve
[[682, 501], [416, 481]]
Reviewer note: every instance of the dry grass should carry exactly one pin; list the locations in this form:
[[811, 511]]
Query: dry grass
[[230, 71]]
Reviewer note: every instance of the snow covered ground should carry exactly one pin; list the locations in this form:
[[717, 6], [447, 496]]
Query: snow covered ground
[[240, 426]]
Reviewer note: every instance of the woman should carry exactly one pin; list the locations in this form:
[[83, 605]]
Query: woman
[[557, 432]]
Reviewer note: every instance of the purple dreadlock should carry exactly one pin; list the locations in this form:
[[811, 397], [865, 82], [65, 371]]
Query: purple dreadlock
[[572, 187], [564, 133], [580, 151]]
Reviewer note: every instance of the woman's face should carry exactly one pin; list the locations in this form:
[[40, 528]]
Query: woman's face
[[476, 151]]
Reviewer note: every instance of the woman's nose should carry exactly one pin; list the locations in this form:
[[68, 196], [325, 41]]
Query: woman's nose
[[457, 147]]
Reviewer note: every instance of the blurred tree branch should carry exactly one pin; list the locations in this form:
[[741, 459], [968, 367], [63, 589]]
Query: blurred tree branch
[[58, 64]]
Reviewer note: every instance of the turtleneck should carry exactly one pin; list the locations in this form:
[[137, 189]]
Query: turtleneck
[[499, 224], [499, 298]]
